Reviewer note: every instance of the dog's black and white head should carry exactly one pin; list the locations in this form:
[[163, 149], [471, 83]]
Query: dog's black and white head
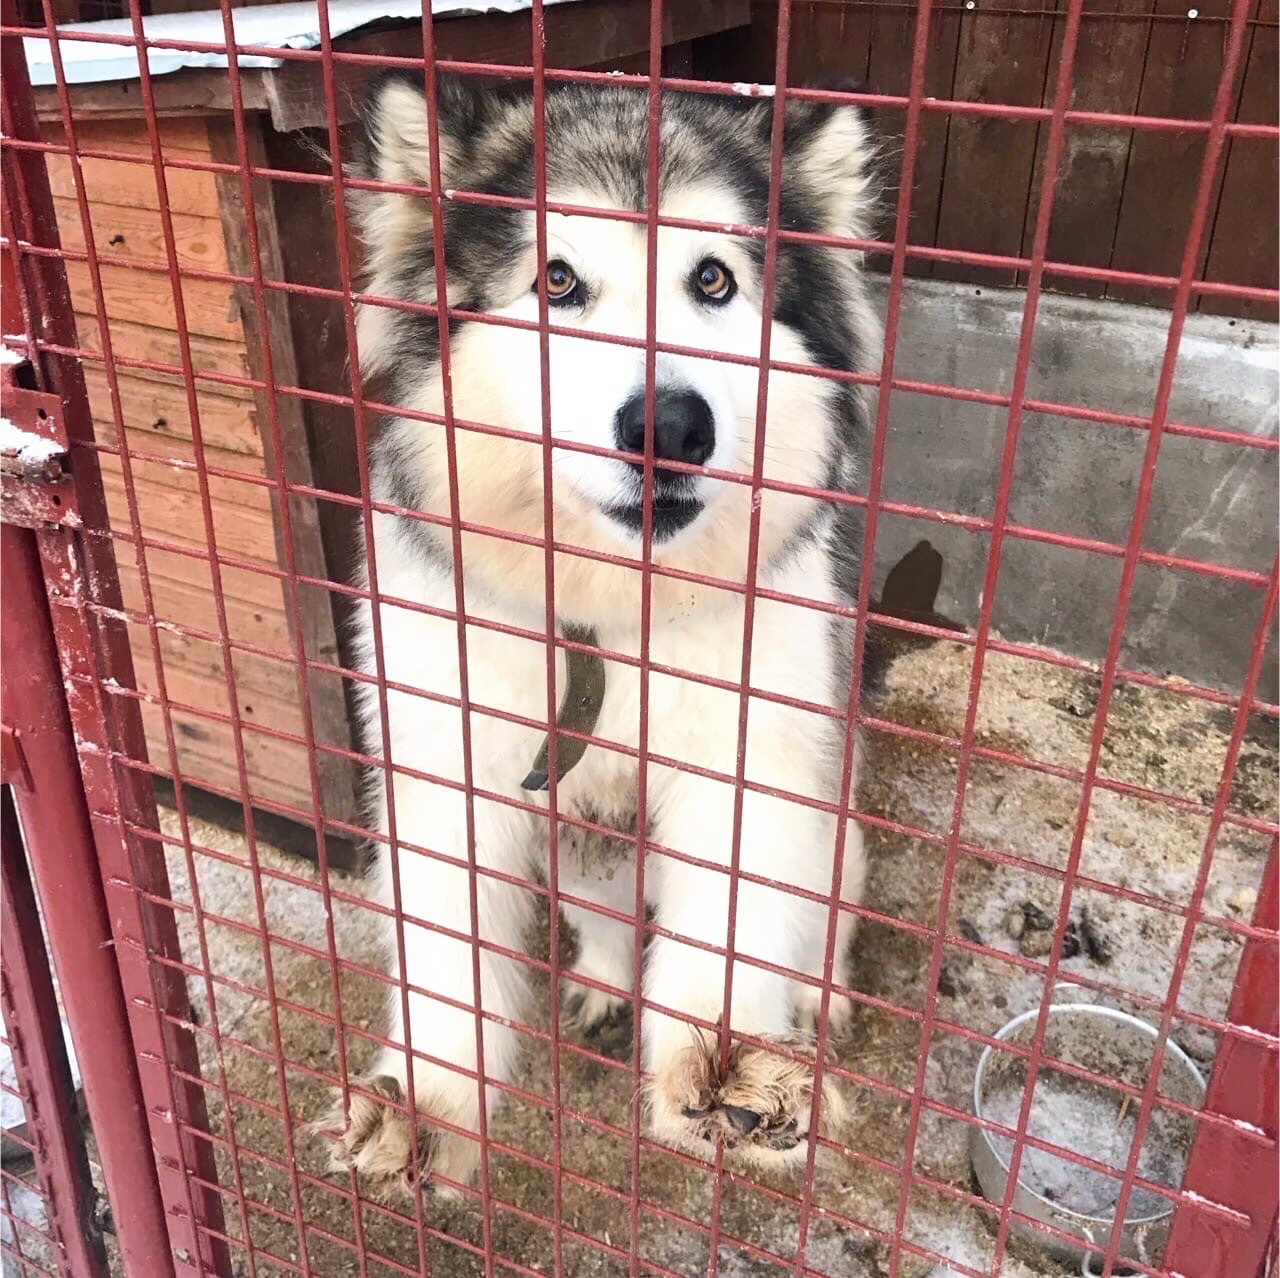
[[714, 167]]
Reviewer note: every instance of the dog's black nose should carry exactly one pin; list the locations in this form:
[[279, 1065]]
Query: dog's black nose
[[683, 427]]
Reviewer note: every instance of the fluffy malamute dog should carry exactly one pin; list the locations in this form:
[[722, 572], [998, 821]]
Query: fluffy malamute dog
[[714, 168]]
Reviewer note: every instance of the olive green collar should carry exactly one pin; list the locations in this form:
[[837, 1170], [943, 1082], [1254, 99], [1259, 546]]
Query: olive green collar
[[579, 710]]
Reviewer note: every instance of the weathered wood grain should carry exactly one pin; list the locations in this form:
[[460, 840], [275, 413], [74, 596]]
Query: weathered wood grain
[[893, 36], [272, 346], [1003, 57], [160, 346], [168, 508], [146, 297], [1245, 234], [157, 415], [120, 230], [1091, 171], [122, 182], [1182, 69], [189, 602]]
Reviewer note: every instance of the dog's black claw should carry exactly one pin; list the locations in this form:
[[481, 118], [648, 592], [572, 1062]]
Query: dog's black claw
[[613, 1035], [745, 1120], [786, 1137], [535, 781]]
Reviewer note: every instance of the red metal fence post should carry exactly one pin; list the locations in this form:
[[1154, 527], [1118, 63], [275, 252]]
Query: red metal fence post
[[125, 1012], [58, 833], [1224, 1167], [34, 1030]]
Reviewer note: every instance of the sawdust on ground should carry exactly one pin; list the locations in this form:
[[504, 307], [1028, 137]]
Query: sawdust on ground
[[1016, 832]]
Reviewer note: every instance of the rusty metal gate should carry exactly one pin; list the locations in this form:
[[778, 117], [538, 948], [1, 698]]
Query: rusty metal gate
[[169, 1094]]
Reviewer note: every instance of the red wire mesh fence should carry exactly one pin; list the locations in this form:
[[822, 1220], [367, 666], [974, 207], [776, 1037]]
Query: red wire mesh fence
[[250, 982], [28, 1245]]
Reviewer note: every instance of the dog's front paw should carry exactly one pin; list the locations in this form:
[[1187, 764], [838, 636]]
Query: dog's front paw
[[376, 1137], [839, 1014], [600, 1020], [758, 1107]]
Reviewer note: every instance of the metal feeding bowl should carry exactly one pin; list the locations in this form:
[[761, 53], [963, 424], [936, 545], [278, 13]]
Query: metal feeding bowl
[[1087, 1119]]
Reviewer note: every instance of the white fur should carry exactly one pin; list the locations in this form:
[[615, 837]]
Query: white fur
[[496, 378]]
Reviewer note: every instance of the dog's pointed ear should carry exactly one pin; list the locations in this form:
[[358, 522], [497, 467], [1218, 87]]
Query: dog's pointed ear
[[397, 133], [395, 227], [832, 146]]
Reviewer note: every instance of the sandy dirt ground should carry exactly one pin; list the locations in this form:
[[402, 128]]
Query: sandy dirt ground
[[1157, 740]]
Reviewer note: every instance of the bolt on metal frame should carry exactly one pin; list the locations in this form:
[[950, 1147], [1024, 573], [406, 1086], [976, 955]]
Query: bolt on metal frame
[[1223, 1220]]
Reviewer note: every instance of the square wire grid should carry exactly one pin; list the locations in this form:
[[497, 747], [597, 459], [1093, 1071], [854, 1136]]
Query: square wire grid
[[265, 874]]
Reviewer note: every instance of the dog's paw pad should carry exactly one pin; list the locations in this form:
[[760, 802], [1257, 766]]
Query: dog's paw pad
[[758, 1107], [390, 1153], [743, 1121], [373, 1135]]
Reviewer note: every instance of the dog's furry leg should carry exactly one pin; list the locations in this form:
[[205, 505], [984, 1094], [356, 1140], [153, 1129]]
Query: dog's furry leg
[[600, 869], [759, 1105], [809, 997], [376, 1139]]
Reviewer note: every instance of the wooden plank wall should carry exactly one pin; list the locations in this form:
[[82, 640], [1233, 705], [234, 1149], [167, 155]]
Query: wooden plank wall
[[1123, 200], [124, 206], [1123, 197]]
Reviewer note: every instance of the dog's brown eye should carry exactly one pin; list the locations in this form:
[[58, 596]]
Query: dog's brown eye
[[561, 281], [714, 281]]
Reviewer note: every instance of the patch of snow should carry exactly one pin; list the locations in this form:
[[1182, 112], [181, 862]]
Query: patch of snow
[[28, 1208], [1241, 1125], [277, 26], [29, 447]]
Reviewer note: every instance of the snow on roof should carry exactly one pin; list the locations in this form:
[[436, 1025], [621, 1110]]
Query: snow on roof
[[278, 26]]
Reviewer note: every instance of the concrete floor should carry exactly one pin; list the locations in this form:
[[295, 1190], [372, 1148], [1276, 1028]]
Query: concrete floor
[[1157, 740]]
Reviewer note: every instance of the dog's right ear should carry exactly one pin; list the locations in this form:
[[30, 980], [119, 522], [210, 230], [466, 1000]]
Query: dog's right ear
[[397, 137], [395, 227]]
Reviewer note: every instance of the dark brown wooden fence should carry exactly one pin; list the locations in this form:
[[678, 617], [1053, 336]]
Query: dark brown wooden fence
[[1123, 197]]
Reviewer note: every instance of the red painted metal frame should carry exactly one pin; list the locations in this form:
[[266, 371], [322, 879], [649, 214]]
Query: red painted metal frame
[[58, 831], [1224, 1213], [34, 1029], [81, 816], [1243, 1088]]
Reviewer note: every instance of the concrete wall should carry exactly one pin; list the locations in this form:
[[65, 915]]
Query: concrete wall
[[1210, 501]]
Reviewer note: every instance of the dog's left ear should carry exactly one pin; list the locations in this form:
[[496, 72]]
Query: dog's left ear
[[832, 146]]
